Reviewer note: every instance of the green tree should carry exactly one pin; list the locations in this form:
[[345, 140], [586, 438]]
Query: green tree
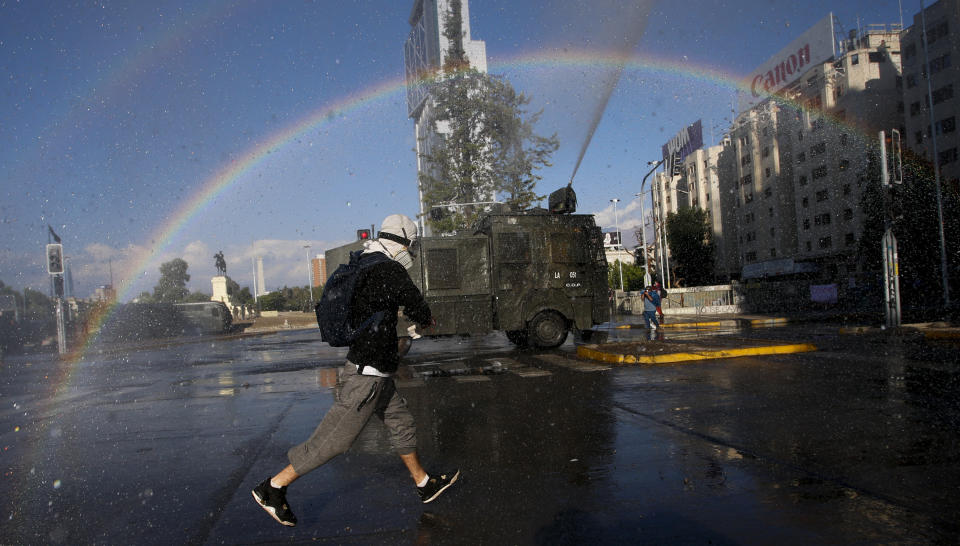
[[691, 250], [172, 287], [914, 216], [243, 296], [196, 297], [488, 145], [632, 276], [274, 301]]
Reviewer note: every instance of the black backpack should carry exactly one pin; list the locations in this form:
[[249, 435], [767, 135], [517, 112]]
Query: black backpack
[[333, 309]]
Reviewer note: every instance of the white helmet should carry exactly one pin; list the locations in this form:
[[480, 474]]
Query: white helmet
[[399, 229]]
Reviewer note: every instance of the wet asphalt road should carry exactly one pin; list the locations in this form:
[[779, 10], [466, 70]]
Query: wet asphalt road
[[857, 443]]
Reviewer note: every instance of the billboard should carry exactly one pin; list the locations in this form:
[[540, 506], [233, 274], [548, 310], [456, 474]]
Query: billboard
[[813, 47], [611, 239], [687, 141]]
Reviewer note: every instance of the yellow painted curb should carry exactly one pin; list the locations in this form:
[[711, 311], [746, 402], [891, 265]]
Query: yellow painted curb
[[616, 358], [690, 324], [769, 322], [941, 335]]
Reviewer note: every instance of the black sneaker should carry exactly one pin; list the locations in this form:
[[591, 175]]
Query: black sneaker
[[274, 501], [436, 485]]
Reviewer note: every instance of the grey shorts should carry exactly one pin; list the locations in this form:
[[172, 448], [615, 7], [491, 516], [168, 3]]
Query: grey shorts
[[356, 399]]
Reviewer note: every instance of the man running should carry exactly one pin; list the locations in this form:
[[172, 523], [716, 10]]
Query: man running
[[367, 386]]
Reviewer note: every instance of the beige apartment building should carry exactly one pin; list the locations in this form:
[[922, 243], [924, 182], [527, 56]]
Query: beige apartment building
[[697, 184], [796, 164], [939, 83]]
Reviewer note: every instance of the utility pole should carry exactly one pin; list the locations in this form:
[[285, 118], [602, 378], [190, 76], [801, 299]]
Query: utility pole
[[643, 228], [936, 160], [619, 240], [309, 275]]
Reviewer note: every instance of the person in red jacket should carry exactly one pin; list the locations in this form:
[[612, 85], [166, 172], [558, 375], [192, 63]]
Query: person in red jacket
[[367, 387], [663, 294]]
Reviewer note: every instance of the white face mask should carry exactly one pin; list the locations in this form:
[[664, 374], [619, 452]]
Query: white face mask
[[404, 258]]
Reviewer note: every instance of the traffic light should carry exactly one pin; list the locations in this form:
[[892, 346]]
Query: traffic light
[[363, 234], [55, 259]]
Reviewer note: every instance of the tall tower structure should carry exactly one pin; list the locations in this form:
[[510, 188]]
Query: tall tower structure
[[260, 288], [424, 52]]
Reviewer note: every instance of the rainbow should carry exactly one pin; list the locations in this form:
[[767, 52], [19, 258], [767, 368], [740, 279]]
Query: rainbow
[[232, 171]]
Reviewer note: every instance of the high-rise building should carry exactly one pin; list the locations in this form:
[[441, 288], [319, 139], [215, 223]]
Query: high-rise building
[[695, 182], [318, 266], [931, 70], [424, 52], [796, 157]]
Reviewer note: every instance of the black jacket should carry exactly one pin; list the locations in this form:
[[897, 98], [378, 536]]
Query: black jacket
[[384, 287]]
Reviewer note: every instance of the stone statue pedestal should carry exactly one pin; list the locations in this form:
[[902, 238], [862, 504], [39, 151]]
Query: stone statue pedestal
[[220, 291]]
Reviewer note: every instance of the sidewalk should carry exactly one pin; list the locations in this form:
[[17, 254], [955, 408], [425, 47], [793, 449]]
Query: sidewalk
[[660, 351]]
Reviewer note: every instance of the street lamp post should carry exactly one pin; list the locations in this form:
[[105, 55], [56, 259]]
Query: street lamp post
[[616, 220], [643, 227], [309, 275]]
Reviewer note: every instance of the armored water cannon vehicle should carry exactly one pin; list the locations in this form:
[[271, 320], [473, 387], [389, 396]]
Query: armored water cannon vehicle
[[535, 275]]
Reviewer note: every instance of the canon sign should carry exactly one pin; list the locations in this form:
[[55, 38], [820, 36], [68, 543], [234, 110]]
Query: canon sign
[[812, 47], [781, 73]]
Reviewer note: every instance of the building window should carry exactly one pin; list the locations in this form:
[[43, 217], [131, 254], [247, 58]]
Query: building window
[[942, 94], [911, 81], [843, 164], [808, 246], [940, 63], [767, 172], [822, 219], [803, 180], [817, 124], [766, 151], [843, 139], [825, 242], [818, 149], [768, 192], [919, 137], [770, 212], [876, 57], [947, 125], [805, 203], [748, 179], [914, 108], [751, 256], [948, 156], [745, 160], [910, 51], [801, 157], [764, 131], [849, 239], [806, 223], [748, 198], [848, 214], [819, 172], [855, 59], [773, 232], [846, 189], [823, 195], [800, 136]]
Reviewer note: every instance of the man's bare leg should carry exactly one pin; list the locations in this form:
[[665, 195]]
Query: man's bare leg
[[286, 476], [413, 465]]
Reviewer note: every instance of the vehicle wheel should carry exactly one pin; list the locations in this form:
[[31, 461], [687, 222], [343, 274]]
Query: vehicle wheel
[[517, 337], [547, 330]]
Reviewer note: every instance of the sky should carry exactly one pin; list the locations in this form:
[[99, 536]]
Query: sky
[[146, 131]]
